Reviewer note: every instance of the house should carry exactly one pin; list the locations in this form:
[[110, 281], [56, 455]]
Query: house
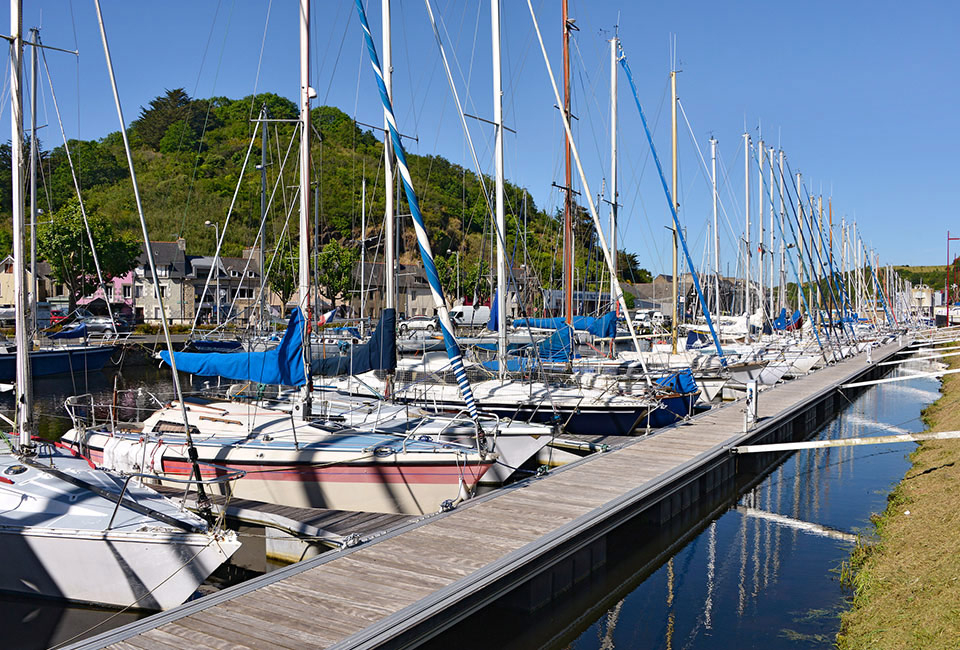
[[413, 292], [175, 284]]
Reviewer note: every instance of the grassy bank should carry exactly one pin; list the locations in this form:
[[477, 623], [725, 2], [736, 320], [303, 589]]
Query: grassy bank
[[906, 585]]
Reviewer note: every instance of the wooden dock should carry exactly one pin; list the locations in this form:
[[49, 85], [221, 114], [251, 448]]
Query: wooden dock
[[533, 539]]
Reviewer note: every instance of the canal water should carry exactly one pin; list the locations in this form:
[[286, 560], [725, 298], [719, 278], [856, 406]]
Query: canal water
[[760, 568]]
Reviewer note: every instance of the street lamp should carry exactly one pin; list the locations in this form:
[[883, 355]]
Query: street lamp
[[457, 253], [216, 231]]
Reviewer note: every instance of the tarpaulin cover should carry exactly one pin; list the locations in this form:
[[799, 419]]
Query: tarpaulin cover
[[379, 353], [696, 339], [782, 323], [282, 365], [77, 332], [604, 327], [680, 382], [559, 347]]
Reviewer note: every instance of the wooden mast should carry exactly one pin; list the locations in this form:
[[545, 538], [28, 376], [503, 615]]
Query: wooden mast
[[568, 180]]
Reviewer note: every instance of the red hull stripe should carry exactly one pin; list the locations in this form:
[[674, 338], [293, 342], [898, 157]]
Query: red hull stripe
[[426, 474]]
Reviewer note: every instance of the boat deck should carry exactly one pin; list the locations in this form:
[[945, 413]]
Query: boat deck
[[543, 534]]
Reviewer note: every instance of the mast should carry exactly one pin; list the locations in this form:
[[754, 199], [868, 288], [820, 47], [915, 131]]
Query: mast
[[749, 255], [24, 406], [389, 249], [304, 196], [363, 250], [568, 178], [819, 235], [716, 231], [800, 221], [34, 39], [261, 255], [676, 205], [501, 292], [770, 253], [614, 45], [760, 251], [783, 243]]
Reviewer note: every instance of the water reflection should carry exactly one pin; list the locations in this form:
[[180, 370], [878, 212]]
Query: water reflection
[[757, 568]]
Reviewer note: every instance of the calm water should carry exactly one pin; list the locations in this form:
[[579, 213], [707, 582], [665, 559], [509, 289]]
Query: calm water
[[760, 571], [756, 569]]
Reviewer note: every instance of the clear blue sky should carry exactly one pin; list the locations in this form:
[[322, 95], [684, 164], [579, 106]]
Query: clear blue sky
[[861, 96]]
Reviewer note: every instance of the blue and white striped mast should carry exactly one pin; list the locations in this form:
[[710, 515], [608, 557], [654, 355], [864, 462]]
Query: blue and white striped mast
[[423, 242]]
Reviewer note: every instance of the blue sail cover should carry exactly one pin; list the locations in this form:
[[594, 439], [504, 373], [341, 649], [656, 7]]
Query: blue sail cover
[[680, 382], [77, 332], [282, 365], [379, 353], [559, 347], [603, 327], [781, 322], [494, 323]]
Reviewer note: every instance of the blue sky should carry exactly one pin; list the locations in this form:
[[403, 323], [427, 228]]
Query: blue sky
[[861, 96]]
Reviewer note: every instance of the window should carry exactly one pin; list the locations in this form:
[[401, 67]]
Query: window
[[234, 273], [127, 290], [156, 313], [138, 291], [109, 291], [163, 291], [245, 293], [251, 274]]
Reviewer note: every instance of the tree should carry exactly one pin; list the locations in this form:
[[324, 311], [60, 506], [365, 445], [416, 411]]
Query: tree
[[335, 269], [63, 243], [283, 278], [628, 268], [175, 106]]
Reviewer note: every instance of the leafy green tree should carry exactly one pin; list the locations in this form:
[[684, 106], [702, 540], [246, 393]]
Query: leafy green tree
[[179, 137], [628, 268], [63, 243], [335, 265], [283, 278], [175, 106], [447, 270]]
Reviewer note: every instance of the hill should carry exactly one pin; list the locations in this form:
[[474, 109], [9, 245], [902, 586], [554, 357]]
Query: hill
[[189, 154]]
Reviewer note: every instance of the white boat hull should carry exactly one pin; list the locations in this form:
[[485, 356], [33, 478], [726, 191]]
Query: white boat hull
[[114, 568]]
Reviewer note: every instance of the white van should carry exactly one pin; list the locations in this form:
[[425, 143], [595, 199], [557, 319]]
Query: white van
[[470, 316]]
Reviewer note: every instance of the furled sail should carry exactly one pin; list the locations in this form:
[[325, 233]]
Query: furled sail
[[379, 353], [283, 365]]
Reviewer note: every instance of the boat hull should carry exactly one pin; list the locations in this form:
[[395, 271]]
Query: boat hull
[[395, 483], [113, 568], [57, 361]]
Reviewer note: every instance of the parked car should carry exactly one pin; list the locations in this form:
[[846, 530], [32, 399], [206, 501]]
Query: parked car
[[422, 323], [57, 316]]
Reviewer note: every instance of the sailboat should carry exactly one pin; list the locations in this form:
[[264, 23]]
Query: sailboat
[[393, 464], [71, 531]]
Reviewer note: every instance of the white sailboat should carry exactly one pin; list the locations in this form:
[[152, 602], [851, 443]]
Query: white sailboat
[[68, 530]]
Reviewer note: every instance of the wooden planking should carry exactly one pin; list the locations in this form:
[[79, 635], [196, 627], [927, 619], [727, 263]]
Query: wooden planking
[[346, 594]]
